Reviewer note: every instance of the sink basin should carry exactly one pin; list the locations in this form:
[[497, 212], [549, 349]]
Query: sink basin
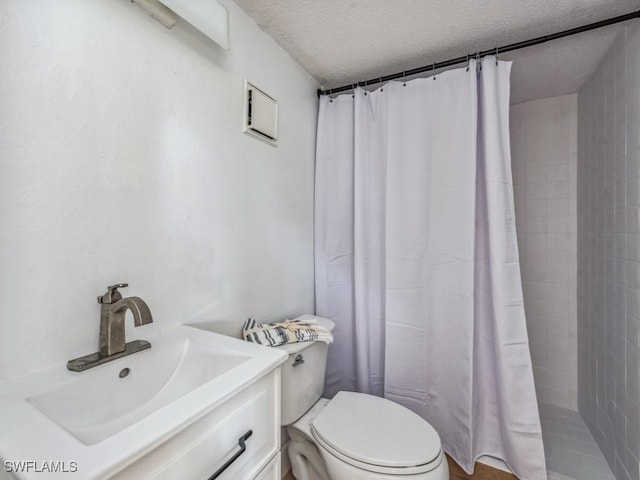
[[108, 417], [154, 379]]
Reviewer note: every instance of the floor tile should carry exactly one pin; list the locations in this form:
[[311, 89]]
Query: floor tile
[[570, 450]]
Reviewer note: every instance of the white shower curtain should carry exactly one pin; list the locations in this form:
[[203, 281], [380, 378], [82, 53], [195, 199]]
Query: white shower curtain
[[417, 260]]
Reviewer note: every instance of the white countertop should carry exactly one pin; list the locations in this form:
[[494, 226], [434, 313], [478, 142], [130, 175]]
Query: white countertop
[[26, 434]]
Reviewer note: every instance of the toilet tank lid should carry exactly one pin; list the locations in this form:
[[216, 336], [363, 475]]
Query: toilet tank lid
[[377, 431], [292, 348]]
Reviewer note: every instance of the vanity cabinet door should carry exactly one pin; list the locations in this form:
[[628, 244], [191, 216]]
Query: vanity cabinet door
[[234, 441], [271, 471]]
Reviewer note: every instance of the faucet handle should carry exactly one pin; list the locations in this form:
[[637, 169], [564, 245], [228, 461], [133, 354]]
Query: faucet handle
[[112, 295]]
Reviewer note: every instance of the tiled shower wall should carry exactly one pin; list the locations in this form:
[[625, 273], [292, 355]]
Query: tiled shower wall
[[608, 255], [543, 154]]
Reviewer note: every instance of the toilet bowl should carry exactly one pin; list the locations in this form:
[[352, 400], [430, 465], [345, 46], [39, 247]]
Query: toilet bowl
[[353, 436]]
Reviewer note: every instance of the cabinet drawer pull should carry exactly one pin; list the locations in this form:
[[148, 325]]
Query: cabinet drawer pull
[[243, 447], [299, 360]]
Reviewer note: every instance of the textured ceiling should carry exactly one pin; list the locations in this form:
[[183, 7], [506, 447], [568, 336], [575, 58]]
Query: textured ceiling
[[343, 41]]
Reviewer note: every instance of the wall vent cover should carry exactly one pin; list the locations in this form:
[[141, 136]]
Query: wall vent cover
[[260, 114]]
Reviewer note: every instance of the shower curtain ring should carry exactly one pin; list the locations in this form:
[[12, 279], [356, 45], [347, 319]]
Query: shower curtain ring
[[434, 70], [404, 78], [467, 62], [496, 56], [365, 88], [381, 86]]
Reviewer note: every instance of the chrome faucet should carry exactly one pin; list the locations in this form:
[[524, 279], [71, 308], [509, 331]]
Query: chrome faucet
[[112, 332]]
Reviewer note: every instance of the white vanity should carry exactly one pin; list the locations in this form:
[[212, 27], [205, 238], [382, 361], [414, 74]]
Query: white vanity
[[197, 405]]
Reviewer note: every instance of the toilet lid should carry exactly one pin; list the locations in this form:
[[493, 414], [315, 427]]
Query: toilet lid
[[376, 431]]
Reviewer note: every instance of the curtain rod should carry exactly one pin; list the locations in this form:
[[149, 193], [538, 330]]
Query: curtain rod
[[493, 51]]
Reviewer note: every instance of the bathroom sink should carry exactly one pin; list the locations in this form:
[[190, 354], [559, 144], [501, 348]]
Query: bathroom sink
[[107, 417], [98, 403]]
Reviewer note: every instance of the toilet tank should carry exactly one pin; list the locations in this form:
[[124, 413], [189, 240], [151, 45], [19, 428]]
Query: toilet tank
[[303, 374]]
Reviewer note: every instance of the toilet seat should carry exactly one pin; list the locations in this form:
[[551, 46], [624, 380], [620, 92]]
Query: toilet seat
[[376, 434]]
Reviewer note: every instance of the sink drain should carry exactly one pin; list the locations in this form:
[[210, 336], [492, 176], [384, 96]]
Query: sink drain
[[124, 372]]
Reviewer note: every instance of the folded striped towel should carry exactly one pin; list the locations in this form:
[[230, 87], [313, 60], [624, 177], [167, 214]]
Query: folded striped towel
[[289, 331]]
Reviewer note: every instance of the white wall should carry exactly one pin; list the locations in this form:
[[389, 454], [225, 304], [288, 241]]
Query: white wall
[[122, 160], [543, 144], [609, 255]]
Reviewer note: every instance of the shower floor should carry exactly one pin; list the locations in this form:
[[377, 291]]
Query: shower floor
[[569, 447]]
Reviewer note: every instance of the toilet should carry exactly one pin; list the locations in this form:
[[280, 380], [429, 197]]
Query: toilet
[[353, 436]]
